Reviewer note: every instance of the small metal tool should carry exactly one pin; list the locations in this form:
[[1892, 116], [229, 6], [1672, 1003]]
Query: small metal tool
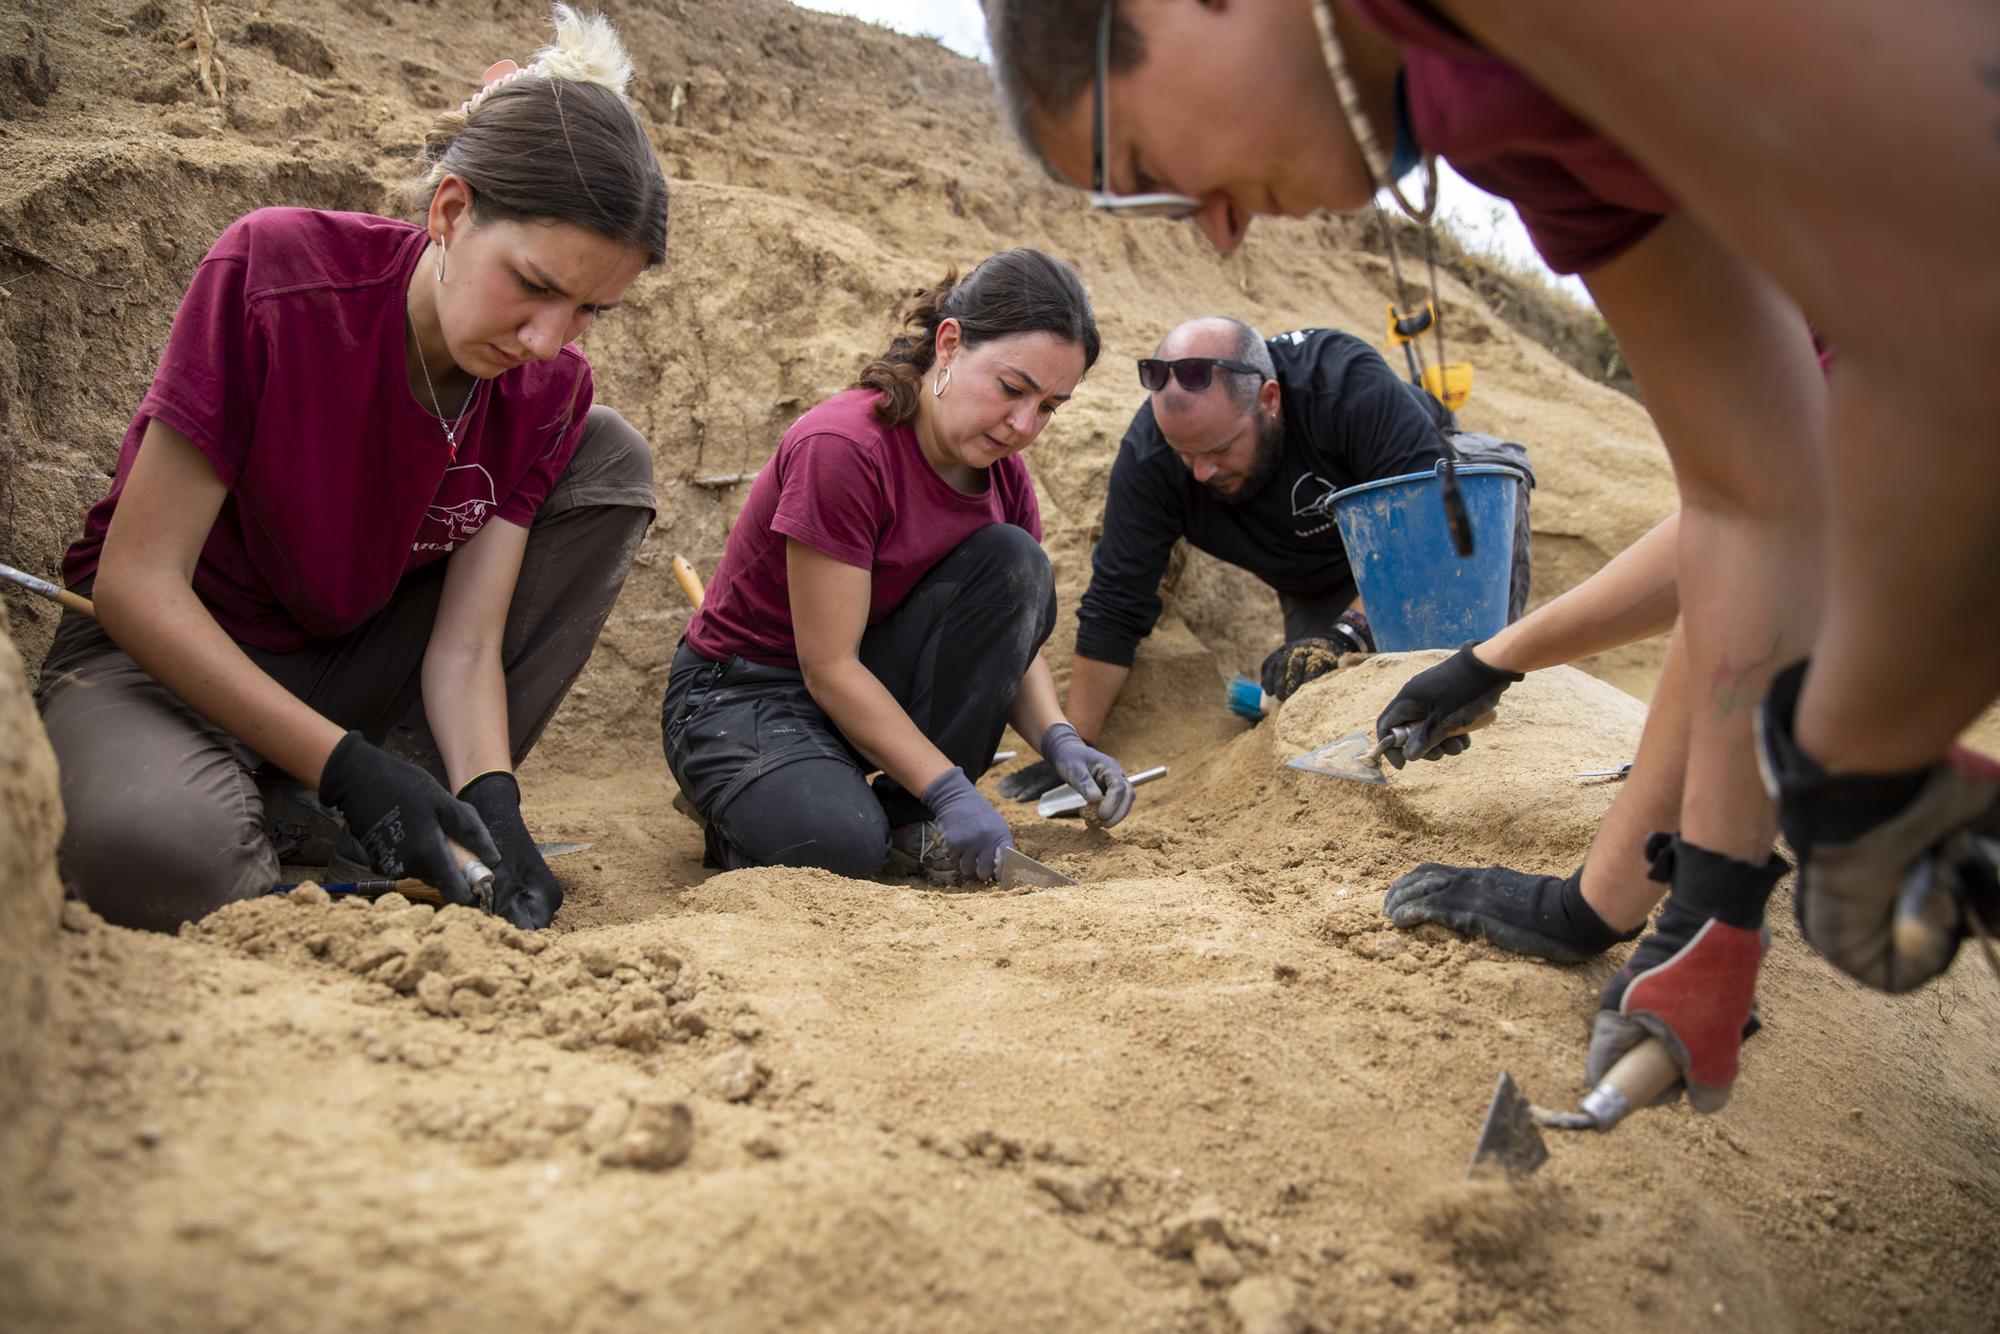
[[1509, 1138], [1066, 800], [1358, 757], [1018, 868], [1619, 773]]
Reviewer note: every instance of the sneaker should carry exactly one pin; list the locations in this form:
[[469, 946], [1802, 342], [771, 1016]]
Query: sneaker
[[302, 831], [918, 849]]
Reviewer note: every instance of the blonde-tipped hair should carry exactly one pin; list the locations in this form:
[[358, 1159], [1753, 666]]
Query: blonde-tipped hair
[[586, 49], [557, 140]]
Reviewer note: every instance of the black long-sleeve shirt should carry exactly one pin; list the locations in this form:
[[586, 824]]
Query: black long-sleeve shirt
[[1347, 419]]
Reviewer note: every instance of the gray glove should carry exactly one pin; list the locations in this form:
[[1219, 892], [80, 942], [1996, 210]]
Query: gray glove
[[1096, 776], [1891, 866], [974, 833]]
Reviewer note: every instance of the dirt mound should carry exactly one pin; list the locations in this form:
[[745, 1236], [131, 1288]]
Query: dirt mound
[[1207, 1088], [31, 822]]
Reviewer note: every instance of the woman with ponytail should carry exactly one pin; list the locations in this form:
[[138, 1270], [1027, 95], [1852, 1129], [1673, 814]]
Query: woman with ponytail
[[884, 598], [369, 469]]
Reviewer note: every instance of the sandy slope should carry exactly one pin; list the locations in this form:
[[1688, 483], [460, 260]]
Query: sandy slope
[[1206, 1088]]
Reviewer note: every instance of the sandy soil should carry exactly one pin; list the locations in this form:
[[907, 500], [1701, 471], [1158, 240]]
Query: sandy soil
[[1208, 1088]]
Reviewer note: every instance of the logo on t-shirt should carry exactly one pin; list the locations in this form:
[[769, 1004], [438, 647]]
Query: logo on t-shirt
[[460, 508], [1312, 504]]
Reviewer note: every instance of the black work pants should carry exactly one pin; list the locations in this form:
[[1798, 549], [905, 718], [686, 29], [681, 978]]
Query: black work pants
[[773, 778]]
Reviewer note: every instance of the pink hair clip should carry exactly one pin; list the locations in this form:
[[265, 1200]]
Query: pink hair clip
[[498, 75]]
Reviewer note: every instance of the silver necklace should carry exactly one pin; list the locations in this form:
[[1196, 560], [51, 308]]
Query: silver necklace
[[450, 427]]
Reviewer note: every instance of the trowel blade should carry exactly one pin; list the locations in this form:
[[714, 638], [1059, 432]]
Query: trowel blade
[[1018, 868], [1346, 758], [1509, 1139], [560, 849]]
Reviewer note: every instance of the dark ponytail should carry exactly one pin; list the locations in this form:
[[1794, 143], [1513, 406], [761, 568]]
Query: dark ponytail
[[1013, 292], [557, 141]]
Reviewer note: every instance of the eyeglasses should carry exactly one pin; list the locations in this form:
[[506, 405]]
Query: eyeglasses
[[1131, 206], [1194, 373]]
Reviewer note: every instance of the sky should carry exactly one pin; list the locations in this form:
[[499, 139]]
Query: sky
[[1484, 221]]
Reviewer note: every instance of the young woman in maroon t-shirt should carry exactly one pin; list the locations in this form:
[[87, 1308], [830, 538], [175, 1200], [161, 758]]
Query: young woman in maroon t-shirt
[[368, 463], [884, 598], [1711, 171]]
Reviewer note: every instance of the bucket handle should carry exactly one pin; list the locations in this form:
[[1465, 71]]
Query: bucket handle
[[1455, 517]]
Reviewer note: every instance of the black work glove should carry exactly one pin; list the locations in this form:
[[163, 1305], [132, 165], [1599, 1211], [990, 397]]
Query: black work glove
[[1297, 661], [1437, 701], [402, 816], [1098, 778], [1541, 915], [973, 831], [525, 892], [1030, 782]]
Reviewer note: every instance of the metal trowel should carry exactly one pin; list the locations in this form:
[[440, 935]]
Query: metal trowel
[[1066, 800], [1511, 1137], [1018, 868], [1358, 756]]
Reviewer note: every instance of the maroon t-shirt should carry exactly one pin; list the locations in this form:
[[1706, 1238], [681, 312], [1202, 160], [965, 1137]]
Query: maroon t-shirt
[[1582, 199], [286, 369], [861, 492]]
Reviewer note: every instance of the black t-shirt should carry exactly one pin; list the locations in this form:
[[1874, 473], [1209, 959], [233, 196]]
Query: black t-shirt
[[1348, 419]]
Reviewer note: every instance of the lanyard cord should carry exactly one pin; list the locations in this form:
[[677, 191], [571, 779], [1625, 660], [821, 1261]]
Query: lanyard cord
[[1363, 129], [1377, 165]]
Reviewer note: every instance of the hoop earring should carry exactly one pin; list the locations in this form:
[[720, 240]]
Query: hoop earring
[[440, 264], [938, 385]]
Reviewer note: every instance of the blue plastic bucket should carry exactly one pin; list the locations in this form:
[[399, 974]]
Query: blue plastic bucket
[[1418, 592]]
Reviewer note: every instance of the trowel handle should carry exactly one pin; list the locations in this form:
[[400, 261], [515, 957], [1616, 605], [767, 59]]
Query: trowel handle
[[1398, 735], [1637, 1078]]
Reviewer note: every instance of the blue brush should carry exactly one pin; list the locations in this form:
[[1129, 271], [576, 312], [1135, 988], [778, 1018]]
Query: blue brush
[[1247, 699]]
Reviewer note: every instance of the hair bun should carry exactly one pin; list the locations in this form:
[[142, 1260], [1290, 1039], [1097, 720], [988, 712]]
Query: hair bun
[[586, 50]]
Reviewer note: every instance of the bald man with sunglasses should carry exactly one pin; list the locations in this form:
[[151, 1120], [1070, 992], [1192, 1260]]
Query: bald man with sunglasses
[[1239, 448]]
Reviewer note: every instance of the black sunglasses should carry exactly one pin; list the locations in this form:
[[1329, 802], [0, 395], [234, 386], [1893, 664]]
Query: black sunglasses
[[1194, 373], [1132, 206]]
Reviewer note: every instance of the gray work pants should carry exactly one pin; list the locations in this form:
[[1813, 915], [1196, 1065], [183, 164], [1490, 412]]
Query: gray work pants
[[165, 820]]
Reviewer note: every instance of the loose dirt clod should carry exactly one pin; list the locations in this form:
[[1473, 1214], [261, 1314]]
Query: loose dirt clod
[[656, 1135], [734, 1075], [1268, 1305], [1217, 1264]]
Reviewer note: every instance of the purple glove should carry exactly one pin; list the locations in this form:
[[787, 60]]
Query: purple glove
[[973, 831], [1096, 776]]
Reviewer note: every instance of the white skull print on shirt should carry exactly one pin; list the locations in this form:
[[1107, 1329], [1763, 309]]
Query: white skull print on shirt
[[463, 502]]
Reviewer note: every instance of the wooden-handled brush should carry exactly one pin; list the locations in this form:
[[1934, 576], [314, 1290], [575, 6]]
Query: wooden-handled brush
[[690, 582]]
